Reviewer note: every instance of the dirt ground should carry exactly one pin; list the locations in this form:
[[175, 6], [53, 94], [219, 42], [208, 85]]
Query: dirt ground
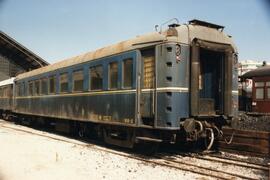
[[30, 157]]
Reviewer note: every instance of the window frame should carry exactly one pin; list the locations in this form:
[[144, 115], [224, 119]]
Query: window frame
[[110, 75], [267, 87], [18, 89], [123, 73], [32, 89], [37, 81], [60, 83], [41, 86], [52, 77], [91, 77], [1, 92], [148, 57], [73, 80], [263, 96]]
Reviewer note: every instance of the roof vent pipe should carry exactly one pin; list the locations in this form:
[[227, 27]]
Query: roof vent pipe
[[158, 28]]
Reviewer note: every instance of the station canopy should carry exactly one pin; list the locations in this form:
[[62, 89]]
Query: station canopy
[[22, 56]]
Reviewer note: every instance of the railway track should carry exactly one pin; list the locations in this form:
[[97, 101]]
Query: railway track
[[248, 142], [175, 162], [216, 157]]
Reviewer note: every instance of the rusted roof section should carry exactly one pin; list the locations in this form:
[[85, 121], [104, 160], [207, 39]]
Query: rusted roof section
[[186, 33], [19, 54], [138, 42], [259, 72]]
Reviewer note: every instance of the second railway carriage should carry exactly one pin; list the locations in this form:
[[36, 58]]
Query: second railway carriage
[[147, 89], [6, 98], [260, 89]]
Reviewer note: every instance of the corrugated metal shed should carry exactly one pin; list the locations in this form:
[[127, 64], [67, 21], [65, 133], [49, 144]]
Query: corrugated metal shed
[[23, 58]]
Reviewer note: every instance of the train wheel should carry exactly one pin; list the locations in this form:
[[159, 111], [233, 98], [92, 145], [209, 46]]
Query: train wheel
[[209, 139]]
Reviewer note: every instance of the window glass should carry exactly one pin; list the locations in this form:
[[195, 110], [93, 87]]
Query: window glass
[[113, 75], [44, 86], [64, 82], [18, 89], [30, 88], [37, 87], [96, 74], [78, 80], [23, 89], [259, 93], [5, 92], [259, 84], [267, 83], [268, 93], [127, 73], [148, 57], [52, 83]]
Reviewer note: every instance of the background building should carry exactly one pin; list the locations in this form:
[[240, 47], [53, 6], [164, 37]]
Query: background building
[[244, 67], [245, 84], [15, 58]]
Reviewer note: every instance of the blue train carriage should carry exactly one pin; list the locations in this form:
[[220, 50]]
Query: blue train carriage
[[6, 98], [154, 88]]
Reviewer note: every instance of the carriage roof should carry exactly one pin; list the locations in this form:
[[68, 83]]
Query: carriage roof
[[186, 33]]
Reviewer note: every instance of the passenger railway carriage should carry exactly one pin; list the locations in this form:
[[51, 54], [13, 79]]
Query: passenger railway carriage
[[6, 98], [153, 88], [260, 89]]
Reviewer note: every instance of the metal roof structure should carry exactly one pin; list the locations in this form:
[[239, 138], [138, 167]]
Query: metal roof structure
[[7, 82], [259, 72], [20, 54], [206, 24]]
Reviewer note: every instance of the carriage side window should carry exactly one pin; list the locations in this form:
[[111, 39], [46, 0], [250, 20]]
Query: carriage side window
[[259, 84], [23, 89], [7, 91], [148, 57], [113, 75], [127, 73], [259, 90], [96, 76], [267, 84], [78, 81], [4, 92], [52, 83], [37, 87], [44, 86], [18, 89], [1, 92], [64, 82], [30, 88]]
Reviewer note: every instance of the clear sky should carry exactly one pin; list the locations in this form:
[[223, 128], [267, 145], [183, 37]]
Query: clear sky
[[59, 29]]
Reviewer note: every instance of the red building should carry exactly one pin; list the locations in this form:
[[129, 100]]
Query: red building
[[260, 89]]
